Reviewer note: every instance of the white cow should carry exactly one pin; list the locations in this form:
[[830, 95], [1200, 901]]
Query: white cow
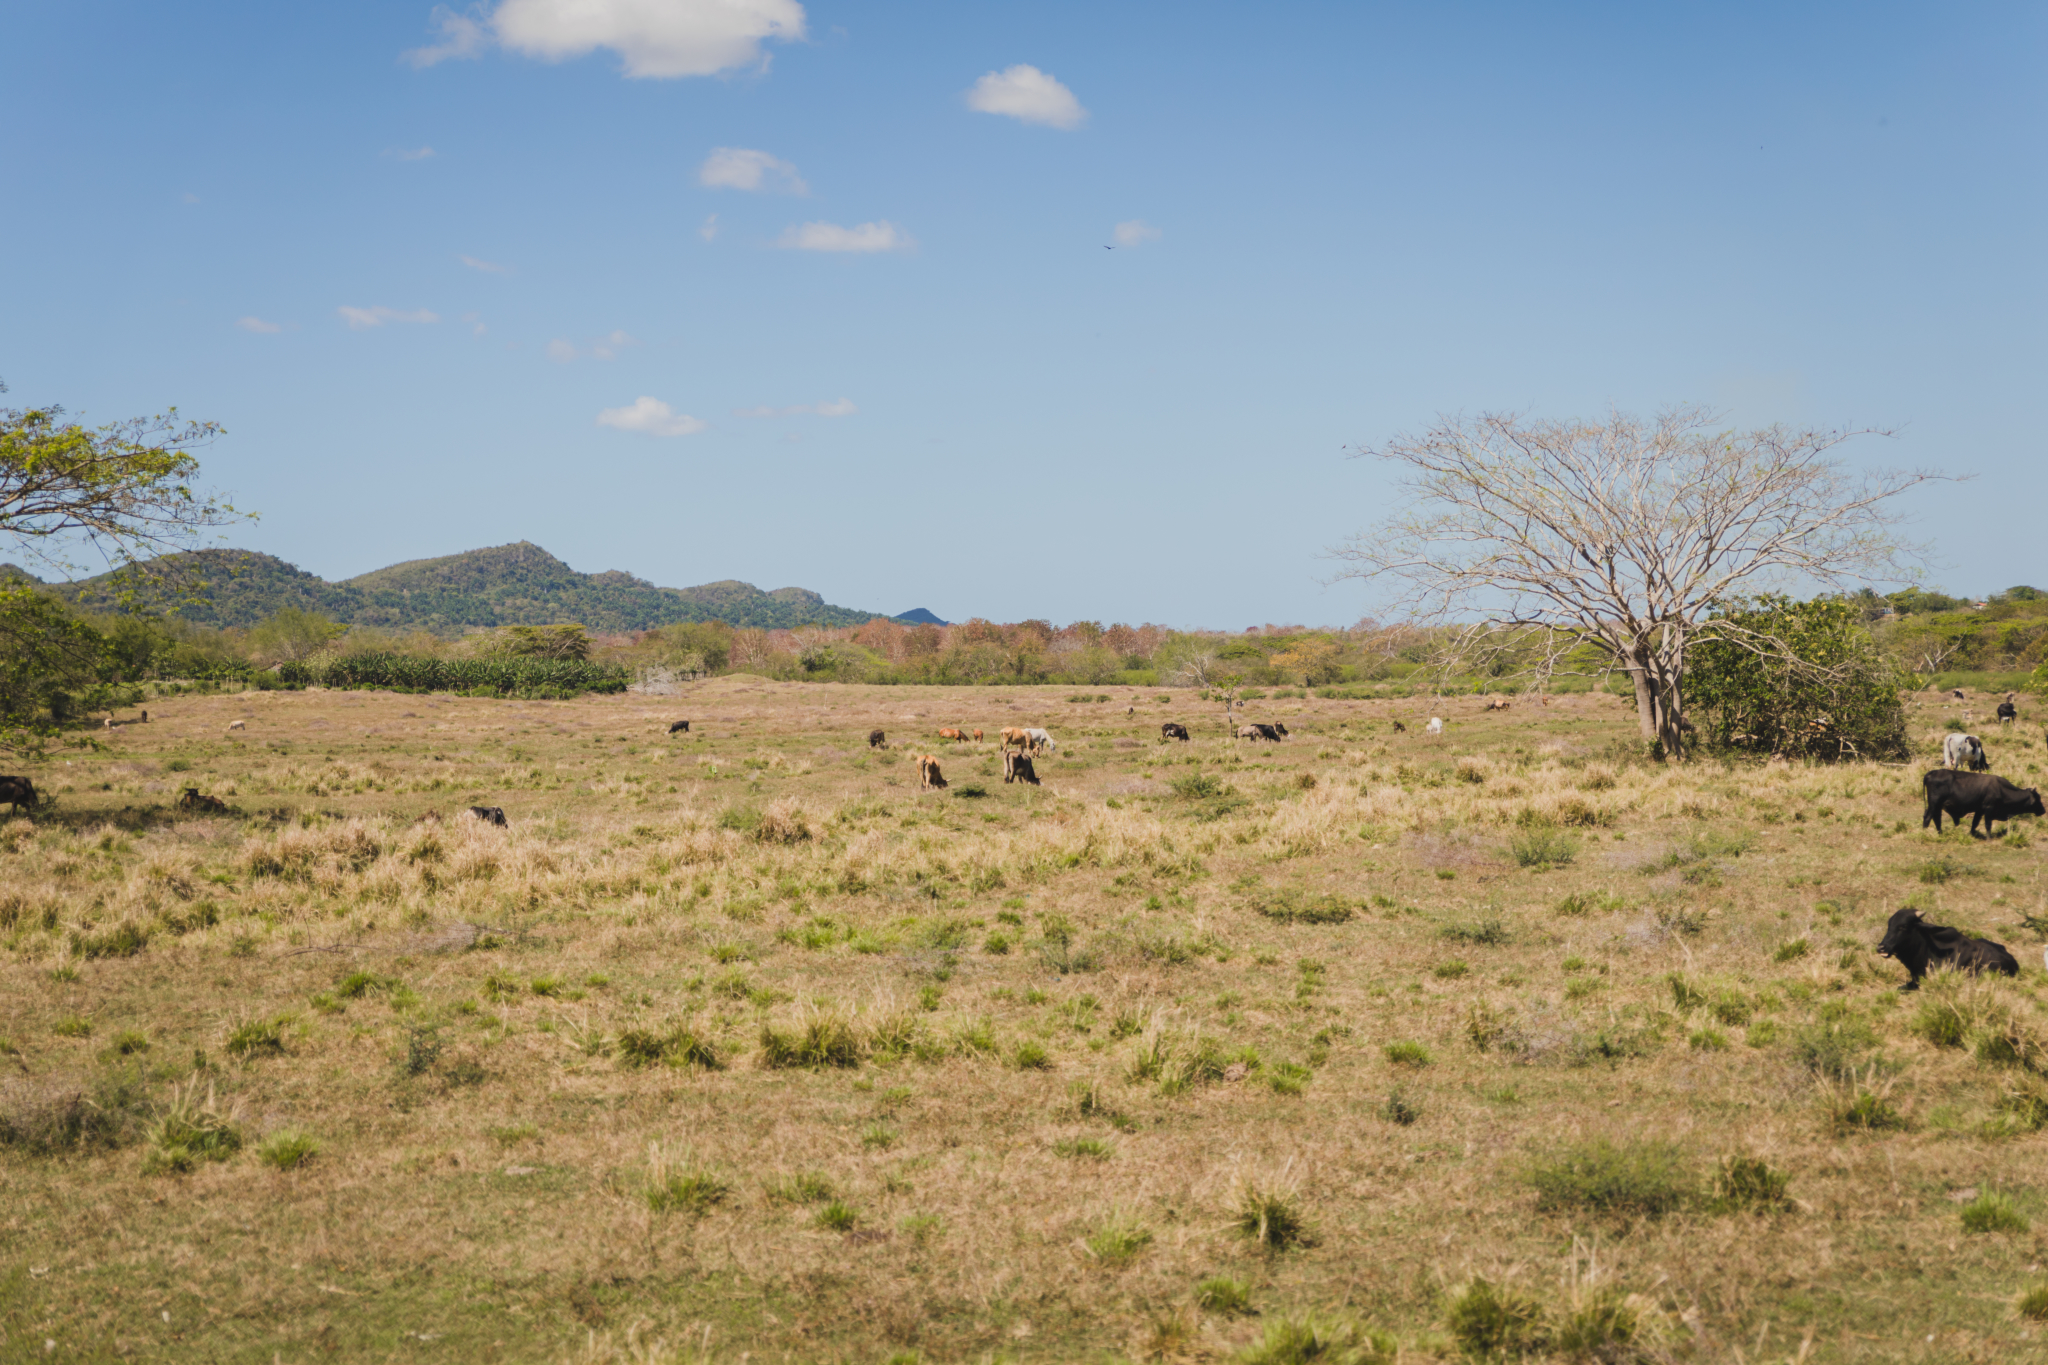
[[1435, 726], [1957, 750], [1040, 739]]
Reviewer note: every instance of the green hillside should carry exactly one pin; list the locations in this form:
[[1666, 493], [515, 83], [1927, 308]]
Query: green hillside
[[506, 585]]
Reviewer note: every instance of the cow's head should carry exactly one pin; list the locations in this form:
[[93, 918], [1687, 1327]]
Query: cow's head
[[1279, 728], [1901, 927], [2033, 795]]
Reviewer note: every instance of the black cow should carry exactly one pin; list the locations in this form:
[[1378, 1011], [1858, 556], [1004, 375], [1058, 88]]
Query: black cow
[[1984, 797], [1173, 729], [2008, 714], [1017, 768], [18, 792], [197, 800], [1275, 732], [490, 815], [1913, 941], [1399, 728], [680, 727], [876, 739]]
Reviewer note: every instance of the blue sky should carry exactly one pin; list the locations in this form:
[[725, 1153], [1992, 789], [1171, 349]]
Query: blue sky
[[1338, 220]]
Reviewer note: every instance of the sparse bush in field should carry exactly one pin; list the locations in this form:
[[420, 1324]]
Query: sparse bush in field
[[1451, 970], [127, 1043], [72, 1026], [287, 1149], [1833, 1048], [1030, 1056], [1271, 1216], [190, 1128], [1747, 1183], [1221, 1294], [1400, 1109], [1489, 932], [1289, 1078], [921, 1227], [1412, 1055], [253, 1038], [838, 1216], [1120, 1238], [1866, 1111], [802, 1187], [878, 1135], [1543, 846], [423, 1048], [1603, 1324], [46, 1116], [1088, 1147], [1636, 1179], [823, 1037], [358, 984], [1579, 903], [1493, 1322], [1791, 952], [1993, 1212], [2032, 1303], [125, 939], [1320, 1341], [678, 1046], [1292, 905]]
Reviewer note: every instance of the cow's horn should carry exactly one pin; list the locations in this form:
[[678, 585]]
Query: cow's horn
[[1919, 914]]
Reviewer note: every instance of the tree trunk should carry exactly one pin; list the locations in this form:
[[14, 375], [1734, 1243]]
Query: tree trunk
[[1660, 709]]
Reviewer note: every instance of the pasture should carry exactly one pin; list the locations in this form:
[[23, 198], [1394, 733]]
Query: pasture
[[737, 1046]]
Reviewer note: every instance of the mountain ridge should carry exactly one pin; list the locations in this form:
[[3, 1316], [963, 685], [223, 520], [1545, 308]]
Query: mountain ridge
[[499, 585]]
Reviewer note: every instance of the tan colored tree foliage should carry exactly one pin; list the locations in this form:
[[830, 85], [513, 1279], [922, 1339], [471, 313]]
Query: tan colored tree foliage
[[1625, 534]]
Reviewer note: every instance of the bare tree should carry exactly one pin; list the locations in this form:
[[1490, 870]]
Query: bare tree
[[1625, 534]]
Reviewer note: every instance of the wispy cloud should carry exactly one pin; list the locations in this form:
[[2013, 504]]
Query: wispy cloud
[[604, 348], [709, 231], [832, 237], [488, 267], [652, 417], [1136, 232], [1027, 94], [654, 38], [835, 407], [741, 168], [561, 350], [409, 153], [257, 325], [378, 316]]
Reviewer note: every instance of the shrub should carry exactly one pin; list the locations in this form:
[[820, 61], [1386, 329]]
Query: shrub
[[1745, 1182], [1289, 1078], [1825, 692], [1120, 1238], [1412, 1055], [1030, 1056], [1451, 970], [1221, 1294], [1400, 1109], [125, 939], [824, 1038], [1291, 905], [42, 1117], [1708, 1040], [189, 1129], [838, 1216], [257, 1037], [2032, 1303], [1993, 1212], [1790, 952], [1271, 1216], [1872, 1113], [287, 1149], [1543, 846], [1833, 1048], [679, 1046], [423, 1047], [691, 1188], [1635, 1179], [1320, 1341], [1491, 1321], [803, 1187], [1088, 1147], [1490, 932]]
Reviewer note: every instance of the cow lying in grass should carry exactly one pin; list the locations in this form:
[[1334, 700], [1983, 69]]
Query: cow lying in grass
[[1017, 768], [1981, 796], [196, 800], [1908, 938]]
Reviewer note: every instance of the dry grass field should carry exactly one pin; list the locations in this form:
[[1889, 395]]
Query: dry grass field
[[736, 1046]]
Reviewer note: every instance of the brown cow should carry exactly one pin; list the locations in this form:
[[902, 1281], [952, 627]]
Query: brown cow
[[928, 775], [956, 735], [876, 739], [1013, 734], [1498, 703], [196, 800], [1017, 768], [977, 736]]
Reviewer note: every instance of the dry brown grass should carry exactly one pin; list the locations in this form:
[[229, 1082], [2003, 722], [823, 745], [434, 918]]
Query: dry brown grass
[[985, 1073]]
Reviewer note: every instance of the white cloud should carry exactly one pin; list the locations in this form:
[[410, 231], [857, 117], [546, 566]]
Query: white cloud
[[835, 407], [462, 36], [257, 325], [609, 347], [560, 351], [488, 267], [710, 228], [741, 168], [1137, 232], [378, 316], [1026, 93], [652, 416], [657, 38], [409, 153], [832, 237]]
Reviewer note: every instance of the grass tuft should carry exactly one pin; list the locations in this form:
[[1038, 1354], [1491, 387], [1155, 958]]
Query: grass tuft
[[1993, 1212], [287, 1149], [1634, 1179]]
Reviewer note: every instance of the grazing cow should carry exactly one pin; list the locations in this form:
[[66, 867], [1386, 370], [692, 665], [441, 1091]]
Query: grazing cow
[[1908, 938], [877, 740], [490, 815], [2008, 714], [1960, 749], [1435, 726], [1958, 695], [18, 792], [680, 727], [196, 800], [1399, 728], [956, 735], [237, 725], [1017, 768], [1498, 703], [1274, 732], [1173, 729], [1040, 739], [928, 775], [1016, 735], [1981, 797], [977, 736]]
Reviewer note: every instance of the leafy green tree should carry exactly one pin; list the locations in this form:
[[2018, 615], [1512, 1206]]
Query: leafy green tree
[[46, 656], [1803, 679], [567, 641], [291, 635]]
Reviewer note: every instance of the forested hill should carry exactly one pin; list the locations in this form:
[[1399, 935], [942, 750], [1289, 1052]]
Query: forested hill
[[506, 585]]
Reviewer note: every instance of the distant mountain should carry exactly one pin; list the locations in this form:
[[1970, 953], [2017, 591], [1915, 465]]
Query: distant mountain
[[505, 585], [918, 616]]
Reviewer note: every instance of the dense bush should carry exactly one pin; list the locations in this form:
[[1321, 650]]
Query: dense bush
[[513, 676], [1804, 679]]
